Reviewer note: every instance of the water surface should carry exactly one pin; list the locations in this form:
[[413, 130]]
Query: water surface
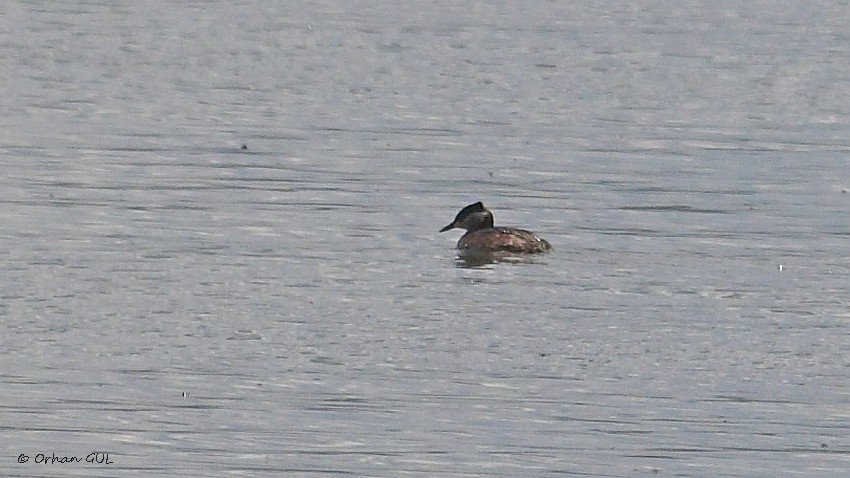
[[197, 308]]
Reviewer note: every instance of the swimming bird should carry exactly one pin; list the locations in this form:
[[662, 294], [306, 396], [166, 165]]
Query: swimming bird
[[483, 238]]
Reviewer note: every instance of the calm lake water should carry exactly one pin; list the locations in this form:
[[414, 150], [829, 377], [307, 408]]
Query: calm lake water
[[193, 308]]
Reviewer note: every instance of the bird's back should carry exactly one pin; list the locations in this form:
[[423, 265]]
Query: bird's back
[[507, 239]]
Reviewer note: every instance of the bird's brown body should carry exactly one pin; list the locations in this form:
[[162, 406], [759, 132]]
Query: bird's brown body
[[483, 238]]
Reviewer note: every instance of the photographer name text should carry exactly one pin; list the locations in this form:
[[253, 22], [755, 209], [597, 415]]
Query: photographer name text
[[98, 458]]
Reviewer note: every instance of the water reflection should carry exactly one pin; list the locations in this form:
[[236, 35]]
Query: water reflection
[[476, 257]]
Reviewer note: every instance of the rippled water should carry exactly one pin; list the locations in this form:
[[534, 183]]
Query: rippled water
[[194, 308]]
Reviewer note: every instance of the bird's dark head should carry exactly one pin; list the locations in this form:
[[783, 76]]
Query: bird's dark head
[[472, 218]]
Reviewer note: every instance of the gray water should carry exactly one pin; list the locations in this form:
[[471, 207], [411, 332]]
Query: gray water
[[193, 308]]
